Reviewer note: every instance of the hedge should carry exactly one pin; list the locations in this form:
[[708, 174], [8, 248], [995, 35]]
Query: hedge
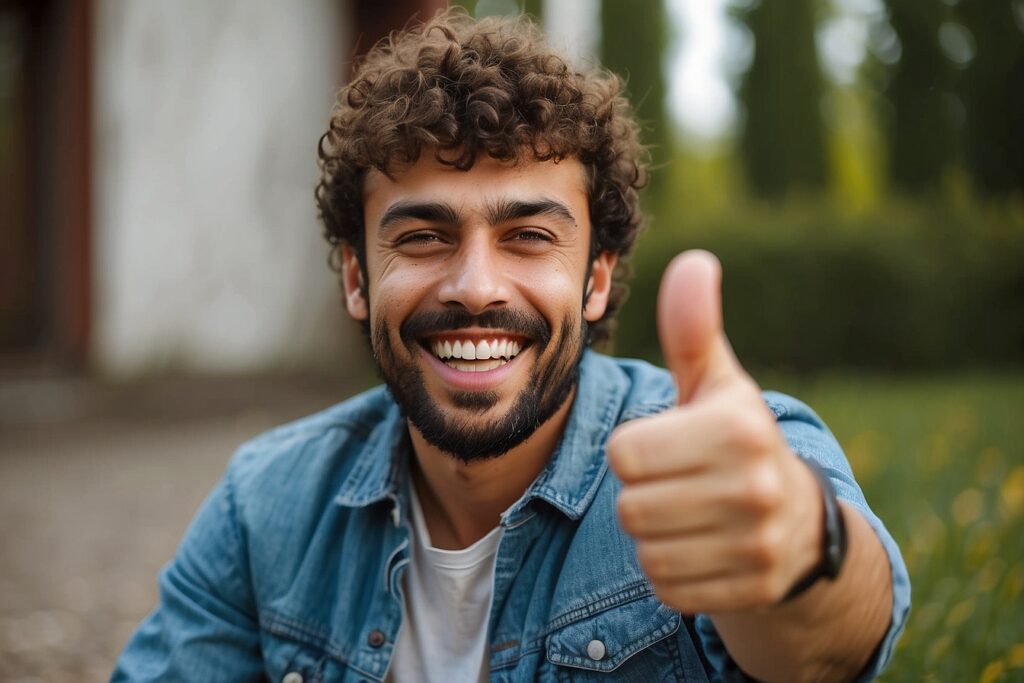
[[807, 286]]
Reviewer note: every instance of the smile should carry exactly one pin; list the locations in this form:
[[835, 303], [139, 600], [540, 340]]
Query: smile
[[469, 355]]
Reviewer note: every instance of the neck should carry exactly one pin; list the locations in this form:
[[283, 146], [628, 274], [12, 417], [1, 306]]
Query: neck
[[463, 501]]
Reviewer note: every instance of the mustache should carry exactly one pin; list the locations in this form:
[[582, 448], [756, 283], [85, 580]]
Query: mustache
[[425, 323]]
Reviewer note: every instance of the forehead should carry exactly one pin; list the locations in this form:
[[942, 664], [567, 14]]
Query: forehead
[[486, 180]]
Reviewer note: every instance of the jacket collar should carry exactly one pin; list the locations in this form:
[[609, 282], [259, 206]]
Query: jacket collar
[[568, 482]]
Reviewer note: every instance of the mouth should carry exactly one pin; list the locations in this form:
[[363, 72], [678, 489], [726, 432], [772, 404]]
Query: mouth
[[475, 353]]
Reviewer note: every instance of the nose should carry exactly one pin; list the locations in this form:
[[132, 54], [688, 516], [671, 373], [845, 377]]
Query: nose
[[474, 279]]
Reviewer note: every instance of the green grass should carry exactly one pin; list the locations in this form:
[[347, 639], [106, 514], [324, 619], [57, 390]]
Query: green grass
[[941, 460]]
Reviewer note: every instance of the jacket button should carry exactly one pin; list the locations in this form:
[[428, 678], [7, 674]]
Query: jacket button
[[376, 638], [292, 677], [595, 650]]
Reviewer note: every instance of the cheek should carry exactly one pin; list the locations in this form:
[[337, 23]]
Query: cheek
[[397, 293], [552, 286]]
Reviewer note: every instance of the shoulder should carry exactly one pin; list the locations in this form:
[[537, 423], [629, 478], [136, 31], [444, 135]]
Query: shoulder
[[645, 389], [312, 453]]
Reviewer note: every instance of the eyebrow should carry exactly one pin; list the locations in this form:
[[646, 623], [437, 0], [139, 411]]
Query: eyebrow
[[505, 210], [435, 212], [501, 211]]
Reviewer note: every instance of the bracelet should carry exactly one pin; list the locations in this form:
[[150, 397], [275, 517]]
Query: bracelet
[[835, 539]]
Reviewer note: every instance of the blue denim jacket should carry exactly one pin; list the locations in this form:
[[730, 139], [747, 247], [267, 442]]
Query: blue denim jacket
[[294, 563]]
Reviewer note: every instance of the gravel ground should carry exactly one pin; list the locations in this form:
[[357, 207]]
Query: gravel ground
[[93, 503]]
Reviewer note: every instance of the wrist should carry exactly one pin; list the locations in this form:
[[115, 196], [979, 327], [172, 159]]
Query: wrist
[[832, 543]]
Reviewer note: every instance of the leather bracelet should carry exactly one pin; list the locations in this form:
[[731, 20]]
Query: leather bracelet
[[834, 536]]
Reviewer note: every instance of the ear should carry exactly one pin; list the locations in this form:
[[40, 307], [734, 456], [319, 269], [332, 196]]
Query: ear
[[599, 286], [352, 281]]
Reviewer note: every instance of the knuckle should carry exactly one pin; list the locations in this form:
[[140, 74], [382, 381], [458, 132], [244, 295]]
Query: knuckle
[[654, 560], [762, 489], [623, 459], [747, 432], [631, 513]]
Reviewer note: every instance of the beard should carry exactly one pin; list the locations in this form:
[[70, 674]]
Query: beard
[[555, 373]]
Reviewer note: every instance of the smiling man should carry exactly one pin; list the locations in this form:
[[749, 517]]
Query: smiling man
[[511, 505]]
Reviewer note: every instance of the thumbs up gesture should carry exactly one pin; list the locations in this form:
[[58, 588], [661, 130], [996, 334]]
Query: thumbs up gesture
[[724, 515]]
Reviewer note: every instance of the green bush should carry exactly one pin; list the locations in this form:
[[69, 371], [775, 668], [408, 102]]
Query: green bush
[[807, 286]]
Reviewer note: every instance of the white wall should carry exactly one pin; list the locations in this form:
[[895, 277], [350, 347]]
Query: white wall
[[208, 253]]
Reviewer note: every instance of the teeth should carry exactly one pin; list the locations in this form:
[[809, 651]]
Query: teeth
[[479, 351], [476, 366]]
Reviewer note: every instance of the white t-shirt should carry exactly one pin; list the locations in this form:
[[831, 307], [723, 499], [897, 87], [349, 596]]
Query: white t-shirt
[[447, 600]]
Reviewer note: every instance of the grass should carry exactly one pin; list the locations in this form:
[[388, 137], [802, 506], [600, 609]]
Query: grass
[[941, 461]]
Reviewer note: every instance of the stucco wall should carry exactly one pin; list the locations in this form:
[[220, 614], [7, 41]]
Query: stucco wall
[[208, 253]]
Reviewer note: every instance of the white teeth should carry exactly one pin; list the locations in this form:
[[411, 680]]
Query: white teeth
[[477, 366], [482, 350]]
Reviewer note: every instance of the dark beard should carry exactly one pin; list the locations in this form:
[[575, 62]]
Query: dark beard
[[547, 389]]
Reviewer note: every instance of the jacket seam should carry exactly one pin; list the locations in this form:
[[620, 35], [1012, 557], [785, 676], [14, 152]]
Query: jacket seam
[[304, 634]]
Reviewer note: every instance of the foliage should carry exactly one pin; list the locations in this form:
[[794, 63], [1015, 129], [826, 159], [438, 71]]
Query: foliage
[[922, 130], [993, 96], [634, 49], [783, 141], [807, 285], [940, 462]]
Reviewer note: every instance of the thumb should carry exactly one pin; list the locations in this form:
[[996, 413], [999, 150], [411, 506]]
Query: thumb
[[690, 323]]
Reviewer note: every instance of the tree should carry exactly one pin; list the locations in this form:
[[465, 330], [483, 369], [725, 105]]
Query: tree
[[783, 139], [633, 39], [922, 130], [992, 88]]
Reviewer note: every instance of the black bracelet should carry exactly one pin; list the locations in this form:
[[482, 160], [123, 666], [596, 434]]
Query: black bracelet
[[835, 540]]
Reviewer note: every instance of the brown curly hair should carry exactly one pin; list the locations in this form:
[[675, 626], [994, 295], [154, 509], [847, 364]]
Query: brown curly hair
[[463, 87]]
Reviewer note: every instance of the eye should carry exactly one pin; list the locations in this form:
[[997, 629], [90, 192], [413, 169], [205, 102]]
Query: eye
[[418, 237], [532, 235]]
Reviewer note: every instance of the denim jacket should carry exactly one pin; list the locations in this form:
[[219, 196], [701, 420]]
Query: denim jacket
[[292, 569]]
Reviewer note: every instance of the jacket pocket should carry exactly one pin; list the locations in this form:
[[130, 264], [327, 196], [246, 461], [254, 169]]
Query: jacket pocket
[[288, 660], [628, 642]]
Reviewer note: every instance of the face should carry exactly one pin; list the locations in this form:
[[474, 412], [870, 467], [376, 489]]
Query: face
[[480, 287]]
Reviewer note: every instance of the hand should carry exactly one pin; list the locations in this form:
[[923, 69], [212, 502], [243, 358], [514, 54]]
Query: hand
[[724, 515]]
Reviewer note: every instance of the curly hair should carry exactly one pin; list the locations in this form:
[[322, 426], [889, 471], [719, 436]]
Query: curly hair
[[461, 88]]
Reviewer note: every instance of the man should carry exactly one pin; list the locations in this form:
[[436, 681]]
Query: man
[[513, 506]]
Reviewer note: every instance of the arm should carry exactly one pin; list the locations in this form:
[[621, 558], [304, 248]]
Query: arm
[[727, 518], [826, 634], [831, 631], [204, 628]]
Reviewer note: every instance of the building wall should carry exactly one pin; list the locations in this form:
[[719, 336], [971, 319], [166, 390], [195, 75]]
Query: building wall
[[208, 255]]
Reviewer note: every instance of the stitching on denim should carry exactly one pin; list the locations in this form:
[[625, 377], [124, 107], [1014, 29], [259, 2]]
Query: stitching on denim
[[594, 473], [310, 636], [236, 531], [631, 593], [667, 629]]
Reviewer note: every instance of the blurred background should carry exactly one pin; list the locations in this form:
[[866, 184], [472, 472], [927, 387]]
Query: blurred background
[[858, 166]]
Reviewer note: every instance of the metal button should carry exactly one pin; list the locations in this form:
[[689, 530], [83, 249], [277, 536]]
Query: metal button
[[595, 650], [376, 638], [292, 677]]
